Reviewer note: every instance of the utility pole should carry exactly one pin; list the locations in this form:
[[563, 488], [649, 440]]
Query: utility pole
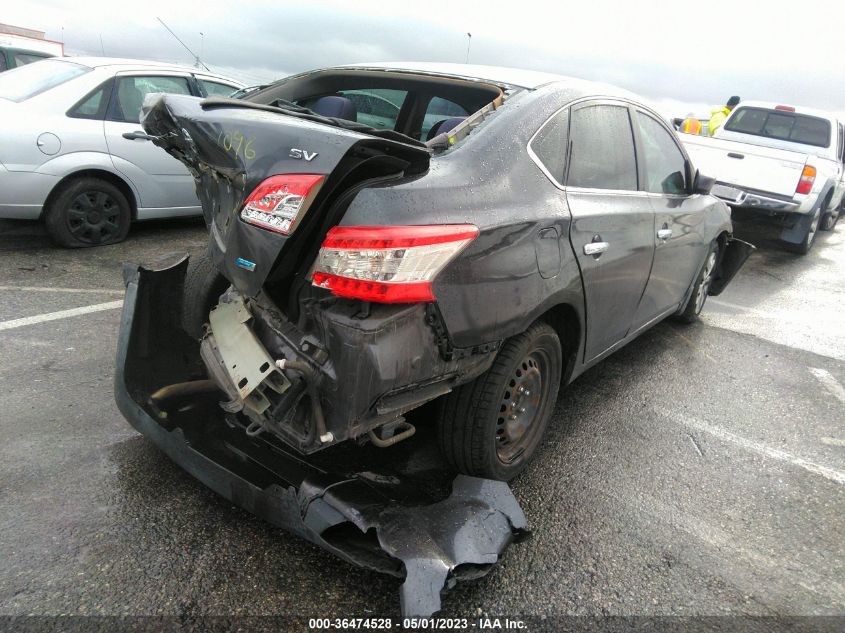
[[469, 43]]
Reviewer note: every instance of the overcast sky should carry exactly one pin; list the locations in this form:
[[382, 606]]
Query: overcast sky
[[776, 51]]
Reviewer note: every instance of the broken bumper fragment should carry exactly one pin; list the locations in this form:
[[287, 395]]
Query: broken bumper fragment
[[406, 518]]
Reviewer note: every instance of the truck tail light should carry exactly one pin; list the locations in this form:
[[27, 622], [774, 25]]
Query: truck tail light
[[808, 177], [279, 203], [388, 264]]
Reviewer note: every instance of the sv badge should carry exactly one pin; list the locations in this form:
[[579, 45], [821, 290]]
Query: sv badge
[[301, 153]]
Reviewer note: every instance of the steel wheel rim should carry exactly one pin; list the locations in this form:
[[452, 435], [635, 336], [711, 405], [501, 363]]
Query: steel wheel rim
[[522, 407], [704, 286], [93, 217]]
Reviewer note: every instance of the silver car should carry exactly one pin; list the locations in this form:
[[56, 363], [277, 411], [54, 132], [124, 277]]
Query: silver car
[[73, 154]]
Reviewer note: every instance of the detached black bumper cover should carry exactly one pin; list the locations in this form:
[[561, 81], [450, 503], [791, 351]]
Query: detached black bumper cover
[[394, 521]]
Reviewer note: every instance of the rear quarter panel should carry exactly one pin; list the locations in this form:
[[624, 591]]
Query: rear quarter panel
[[511, 274]]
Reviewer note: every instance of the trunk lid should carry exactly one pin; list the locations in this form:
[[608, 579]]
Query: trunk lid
[[231, 147], [762, 169]]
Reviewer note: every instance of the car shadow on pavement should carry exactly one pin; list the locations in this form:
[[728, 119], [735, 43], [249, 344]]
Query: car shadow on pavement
[[207, 543]]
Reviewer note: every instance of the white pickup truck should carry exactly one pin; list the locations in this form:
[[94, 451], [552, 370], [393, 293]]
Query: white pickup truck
[[778, 161]]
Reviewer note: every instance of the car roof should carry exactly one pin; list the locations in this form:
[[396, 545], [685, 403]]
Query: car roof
[[516, 77], [142, 64], [771, 105]]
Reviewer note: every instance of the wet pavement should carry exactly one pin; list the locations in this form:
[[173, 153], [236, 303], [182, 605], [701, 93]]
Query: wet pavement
[[698, 471]]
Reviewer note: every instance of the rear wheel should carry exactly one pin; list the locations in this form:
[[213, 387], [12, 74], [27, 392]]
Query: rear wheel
[[88, 212], [804, 246], [830, 218], [202, 289], [492, 426]]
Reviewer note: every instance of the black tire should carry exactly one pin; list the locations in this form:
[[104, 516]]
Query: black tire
[[806, 244], [476, 433], [202, 290], [698, 296], [829, 219], [88, 212]]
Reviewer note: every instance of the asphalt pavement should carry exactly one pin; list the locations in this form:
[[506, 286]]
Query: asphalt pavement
[[698, 471]]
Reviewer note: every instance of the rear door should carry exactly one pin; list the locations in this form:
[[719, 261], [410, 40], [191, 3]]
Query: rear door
[[678, 218], [162, 181], [612, 221]]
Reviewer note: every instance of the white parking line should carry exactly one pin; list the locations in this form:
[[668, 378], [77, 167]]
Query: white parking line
[[93, 291], [61, 314], [754, 447], [830, 383]]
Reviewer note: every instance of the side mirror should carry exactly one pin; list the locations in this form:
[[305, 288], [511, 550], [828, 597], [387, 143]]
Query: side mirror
[[702, 184]]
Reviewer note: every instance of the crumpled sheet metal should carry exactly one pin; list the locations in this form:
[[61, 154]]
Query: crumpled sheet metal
[[431, 542], [472, 526]]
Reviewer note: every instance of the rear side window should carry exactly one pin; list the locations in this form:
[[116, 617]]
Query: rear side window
[[20, 84], [549, 145], [22, 59], [665, 165], [602, 149], [129, 95], [781, 125], [93, 105], [3, 65], [214, 89]]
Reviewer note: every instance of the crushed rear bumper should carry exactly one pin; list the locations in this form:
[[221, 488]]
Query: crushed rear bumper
[[372, 507]]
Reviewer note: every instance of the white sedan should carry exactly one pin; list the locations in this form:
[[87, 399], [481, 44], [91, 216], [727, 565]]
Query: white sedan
[[73, 154]]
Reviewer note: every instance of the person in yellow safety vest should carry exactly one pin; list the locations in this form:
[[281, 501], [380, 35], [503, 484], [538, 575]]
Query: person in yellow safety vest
[[691, 125], [719, 115]]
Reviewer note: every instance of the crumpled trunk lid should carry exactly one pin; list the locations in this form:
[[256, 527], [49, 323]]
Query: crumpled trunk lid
[[231, 147]]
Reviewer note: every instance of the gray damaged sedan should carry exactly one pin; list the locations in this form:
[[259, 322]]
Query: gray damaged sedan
[[500, 234]]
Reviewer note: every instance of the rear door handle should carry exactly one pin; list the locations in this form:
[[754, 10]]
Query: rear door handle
[[664, 234], [595, 248], [137, 136], [735, 155]]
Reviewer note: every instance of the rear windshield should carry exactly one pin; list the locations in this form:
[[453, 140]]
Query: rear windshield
[[27, 81], [781, 125]]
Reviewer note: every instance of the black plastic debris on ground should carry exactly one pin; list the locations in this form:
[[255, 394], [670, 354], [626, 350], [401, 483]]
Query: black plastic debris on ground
[[399, 511]]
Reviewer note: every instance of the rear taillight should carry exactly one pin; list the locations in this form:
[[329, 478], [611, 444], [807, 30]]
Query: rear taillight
[[279, 203], [388, 264], [808, 177]]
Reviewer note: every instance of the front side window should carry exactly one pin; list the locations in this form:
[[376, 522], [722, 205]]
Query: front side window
[[602, 149], [20, 84], [377, 107], [130, 93], [781, 125], [665, 165], [3, 64]]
